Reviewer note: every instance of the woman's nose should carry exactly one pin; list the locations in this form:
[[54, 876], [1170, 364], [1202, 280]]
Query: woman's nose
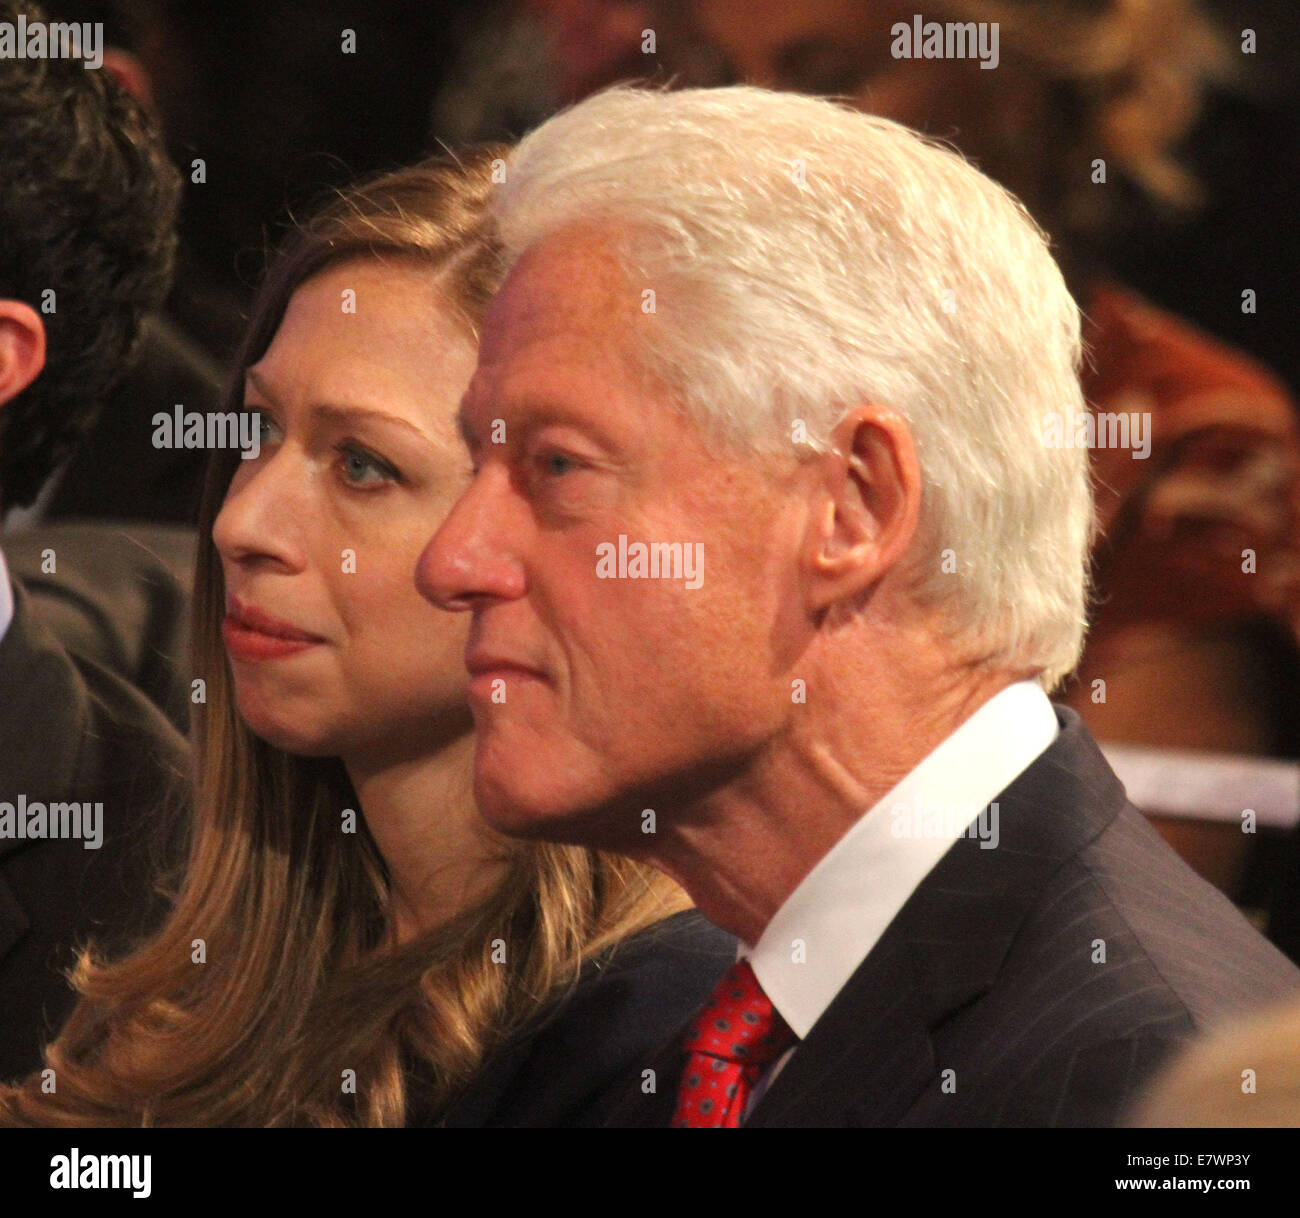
[[265, 510]]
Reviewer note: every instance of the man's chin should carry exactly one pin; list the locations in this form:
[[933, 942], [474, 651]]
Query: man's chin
[[521, 814], [518, 816]]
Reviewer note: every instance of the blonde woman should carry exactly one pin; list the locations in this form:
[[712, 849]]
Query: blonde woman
[[350, 945]]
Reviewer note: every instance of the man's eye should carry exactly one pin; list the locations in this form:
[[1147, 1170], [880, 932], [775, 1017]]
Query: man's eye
[[557, 464], [362, 468]]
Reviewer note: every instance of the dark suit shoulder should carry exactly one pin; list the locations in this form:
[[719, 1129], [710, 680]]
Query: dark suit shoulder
[[1213, 963], [1037, 978], [72, 733], [120, 596], [1127, 955], [563, 1071], [120, 715], [143, 764]]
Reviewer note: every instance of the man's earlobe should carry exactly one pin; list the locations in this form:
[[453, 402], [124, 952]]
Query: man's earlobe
[[22, 348]]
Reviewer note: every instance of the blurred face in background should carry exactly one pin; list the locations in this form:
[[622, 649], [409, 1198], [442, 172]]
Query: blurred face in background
[[844, 48], [808, 46], [332, 650]]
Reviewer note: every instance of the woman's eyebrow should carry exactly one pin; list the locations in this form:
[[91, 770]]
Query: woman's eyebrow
[[260, 385], [333, 412]]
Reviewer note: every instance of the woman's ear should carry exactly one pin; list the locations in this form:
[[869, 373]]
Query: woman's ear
[[869, 509], [22, 348]]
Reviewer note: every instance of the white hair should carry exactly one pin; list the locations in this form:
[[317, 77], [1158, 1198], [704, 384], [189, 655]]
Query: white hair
[[807, 258]]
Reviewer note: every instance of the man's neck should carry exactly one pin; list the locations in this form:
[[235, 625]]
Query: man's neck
[[747, 846]]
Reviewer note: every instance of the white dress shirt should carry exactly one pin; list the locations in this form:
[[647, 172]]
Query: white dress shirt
[[827, 926], [6, 597]]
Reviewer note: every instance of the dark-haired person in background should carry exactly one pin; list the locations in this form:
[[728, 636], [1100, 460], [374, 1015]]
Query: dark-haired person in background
[[264, 106], [89, 769]]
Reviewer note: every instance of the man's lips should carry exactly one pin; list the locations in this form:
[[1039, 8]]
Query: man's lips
[[486, 667], [251, 633]]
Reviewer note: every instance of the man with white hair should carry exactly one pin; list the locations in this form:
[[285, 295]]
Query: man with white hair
[[818, 356]]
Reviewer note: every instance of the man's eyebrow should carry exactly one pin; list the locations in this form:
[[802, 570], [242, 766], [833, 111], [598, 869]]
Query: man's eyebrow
[[532, 413], [333, 412]]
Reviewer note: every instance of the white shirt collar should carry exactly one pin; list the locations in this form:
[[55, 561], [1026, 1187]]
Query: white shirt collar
[[827, 926], [6, 598]]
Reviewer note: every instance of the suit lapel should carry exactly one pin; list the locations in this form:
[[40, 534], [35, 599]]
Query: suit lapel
[[872, 1055], [871, 1048]]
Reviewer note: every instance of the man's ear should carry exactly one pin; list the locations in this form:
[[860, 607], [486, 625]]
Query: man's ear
[[131, 75], [22, 348], [870, 503]]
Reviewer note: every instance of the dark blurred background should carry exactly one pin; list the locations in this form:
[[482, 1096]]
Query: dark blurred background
[[261, 92]]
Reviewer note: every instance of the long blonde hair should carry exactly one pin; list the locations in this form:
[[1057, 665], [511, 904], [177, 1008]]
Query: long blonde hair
[[276, 972], [1133, 77]]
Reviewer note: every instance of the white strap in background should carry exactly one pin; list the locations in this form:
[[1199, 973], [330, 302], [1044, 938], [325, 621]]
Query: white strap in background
[[1208, 786]]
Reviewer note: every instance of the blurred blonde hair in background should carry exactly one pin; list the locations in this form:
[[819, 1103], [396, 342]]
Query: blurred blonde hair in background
[[1245, 1075]]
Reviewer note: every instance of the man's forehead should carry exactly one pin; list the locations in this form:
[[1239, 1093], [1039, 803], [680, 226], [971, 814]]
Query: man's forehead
[[567, 284], [552, 373]]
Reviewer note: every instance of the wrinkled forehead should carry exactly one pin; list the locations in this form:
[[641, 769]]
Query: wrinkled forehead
[[568, 289]]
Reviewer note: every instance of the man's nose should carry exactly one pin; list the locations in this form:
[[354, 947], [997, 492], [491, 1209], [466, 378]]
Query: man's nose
[[473, 557]]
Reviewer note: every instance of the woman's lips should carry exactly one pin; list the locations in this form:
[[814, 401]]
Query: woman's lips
[[252, 634]]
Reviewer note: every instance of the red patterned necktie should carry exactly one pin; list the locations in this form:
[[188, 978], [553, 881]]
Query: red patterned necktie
[[732, 1041]]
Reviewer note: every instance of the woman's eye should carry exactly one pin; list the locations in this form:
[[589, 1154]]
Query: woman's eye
[[268, 430], [362, 468]]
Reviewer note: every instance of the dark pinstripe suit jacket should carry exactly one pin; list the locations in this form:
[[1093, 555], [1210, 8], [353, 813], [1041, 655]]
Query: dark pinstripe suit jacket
[[993, 970]]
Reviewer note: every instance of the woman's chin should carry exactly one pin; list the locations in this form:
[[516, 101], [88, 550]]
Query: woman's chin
[[292, 738]]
